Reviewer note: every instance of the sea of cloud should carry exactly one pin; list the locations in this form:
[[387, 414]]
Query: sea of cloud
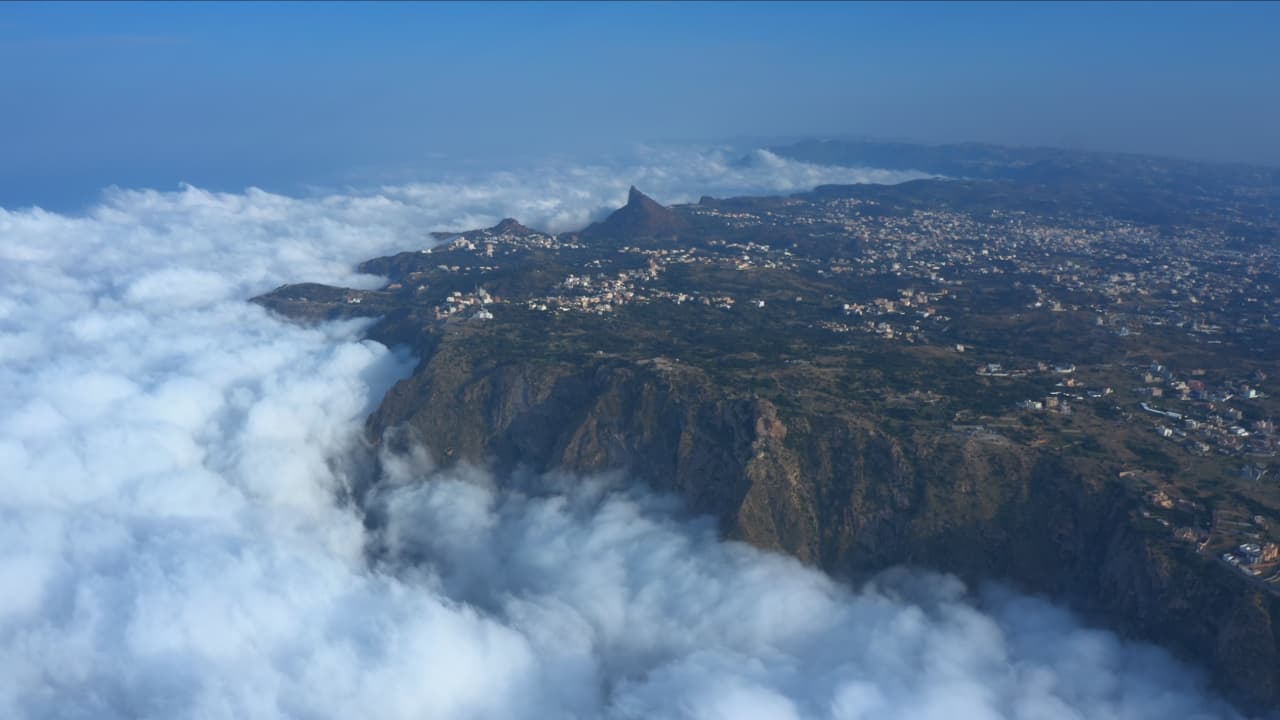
[[175, 543]]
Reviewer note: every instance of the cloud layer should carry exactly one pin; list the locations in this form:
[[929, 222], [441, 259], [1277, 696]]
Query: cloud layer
[[641, 614], [173, 542]]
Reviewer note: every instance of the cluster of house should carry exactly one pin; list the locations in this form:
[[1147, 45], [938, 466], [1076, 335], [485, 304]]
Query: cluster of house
[[1130, 275], [895, 318], [599, 293], [1065, 370], [602, 293], [474, 305], [505, 239], [909, 301], [735, 219], [1209, 420], [1249, 558], [908, 332], [1053, 402], [1242, 542], [1210, 417]]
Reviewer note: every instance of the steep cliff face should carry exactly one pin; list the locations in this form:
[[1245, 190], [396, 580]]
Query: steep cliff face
[[840, 491]]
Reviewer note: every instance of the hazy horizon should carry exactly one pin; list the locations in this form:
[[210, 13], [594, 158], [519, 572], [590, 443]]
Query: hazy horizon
[[285, 96]]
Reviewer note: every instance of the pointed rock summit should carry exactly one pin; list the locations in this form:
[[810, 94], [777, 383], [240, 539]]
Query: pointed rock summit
[[641, 217], [635, 198]]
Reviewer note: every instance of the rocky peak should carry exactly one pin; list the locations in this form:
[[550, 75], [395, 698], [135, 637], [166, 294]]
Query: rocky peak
[[508, 226], [641, 217], [635, 198]]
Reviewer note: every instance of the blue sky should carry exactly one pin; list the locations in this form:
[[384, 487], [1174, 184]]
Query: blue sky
[[228, 95]]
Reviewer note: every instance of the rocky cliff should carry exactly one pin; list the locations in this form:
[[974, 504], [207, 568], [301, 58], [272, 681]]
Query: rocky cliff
[[839, 490]]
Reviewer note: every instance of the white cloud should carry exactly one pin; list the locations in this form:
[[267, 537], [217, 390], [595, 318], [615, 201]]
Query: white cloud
[[170, 543], [673, 622], [572, 195]]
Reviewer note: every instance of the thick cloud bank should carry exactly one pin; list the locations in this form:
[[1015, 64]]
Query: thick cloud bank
[[632, 613], [572, 195], [174, 544]]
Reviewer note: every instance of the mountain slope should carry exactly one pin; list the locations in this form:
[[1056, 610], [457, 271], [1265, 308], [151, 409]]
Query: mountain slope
[[640, 218]]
